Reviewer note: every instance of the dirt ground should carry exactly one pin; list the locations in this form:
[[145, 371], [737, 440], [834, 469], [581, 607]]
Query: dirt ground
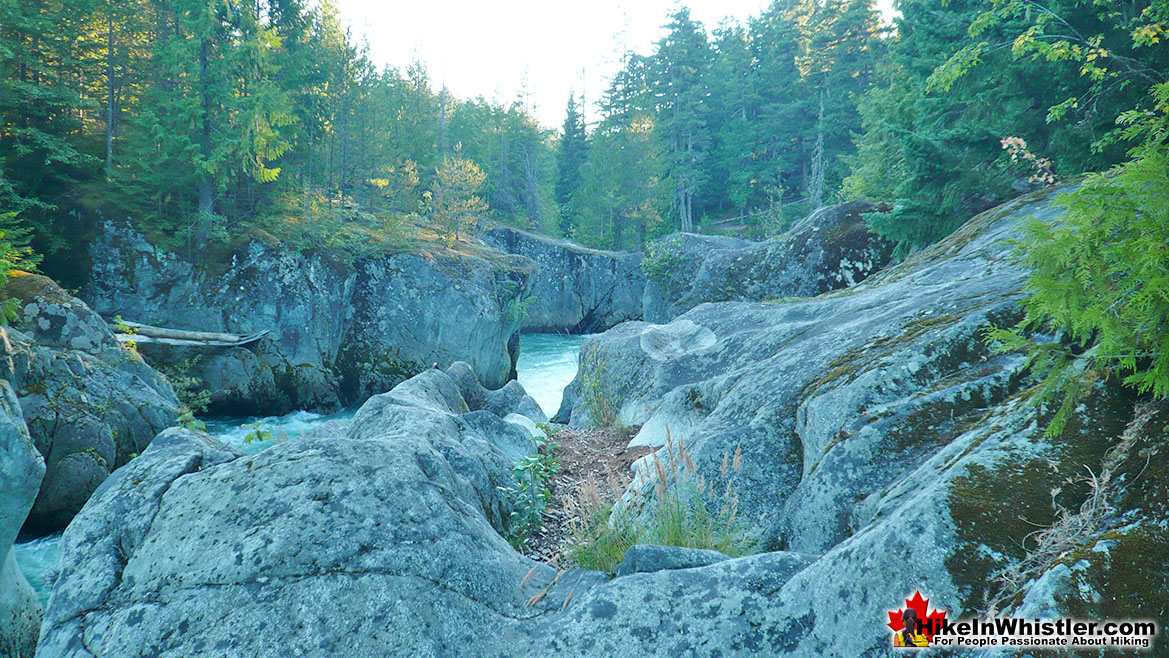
[[582, 452]]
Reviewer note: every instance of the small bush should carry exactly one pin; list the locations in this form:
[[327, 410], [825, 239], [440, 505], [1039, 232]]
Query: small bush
[[189, 389], [15, 254], [662, 259], [531, 492], [680, 516], [598, 399], [1097, 284], [517, 309]]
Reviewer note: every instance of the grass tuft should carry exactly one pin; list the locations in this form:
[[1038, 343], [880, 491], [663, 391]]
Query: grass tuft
[[680, 514]]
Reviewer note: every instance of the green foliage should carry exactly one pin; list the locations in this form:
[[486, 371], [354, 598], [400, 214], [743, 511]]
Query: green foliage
[[571, 155], [517, 309], [743, 121], [454, 201], [531, 492], [679, 515], [1099, 274], [15, 254], [258, 433], [188, 420], [188, 387], [600, 544], [1098, 279], [662, 259], [963, 75], [309, 224], [219, 118], [597, 397]]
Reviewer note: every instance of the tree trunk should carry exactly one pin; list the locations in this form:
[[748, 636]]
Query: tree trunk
[[206, 202], [110, 96]]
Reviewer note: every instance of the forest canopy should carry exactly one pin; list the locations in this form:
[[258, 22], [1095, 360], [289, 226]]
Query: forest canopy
[[203, 121]]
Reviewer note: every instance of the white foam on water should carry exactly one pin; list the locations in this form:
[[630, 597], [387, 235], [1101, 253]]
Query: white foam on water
[[37, 560]]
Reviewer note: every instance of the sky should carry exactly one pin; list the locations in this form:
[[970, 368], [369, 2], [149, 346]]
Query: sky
[[548, 47]]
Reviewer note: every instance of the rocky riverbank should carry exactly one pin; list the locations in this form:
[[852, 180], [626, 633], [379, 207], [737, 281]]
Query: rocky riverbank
[[884, 449], [90, 405], [336, 333]]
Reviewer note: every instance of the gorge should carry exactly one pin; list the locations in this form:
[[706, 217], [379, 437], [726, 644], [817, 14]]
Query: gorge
[[870, 425]]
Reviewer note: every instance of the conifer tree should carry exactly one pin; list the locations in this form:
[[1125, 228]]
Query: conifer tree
[[678, 86], [570, 158], [454, 196]]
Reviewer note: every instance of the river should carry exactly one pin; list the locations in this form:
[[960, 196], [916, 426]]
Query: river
[[546, 365]]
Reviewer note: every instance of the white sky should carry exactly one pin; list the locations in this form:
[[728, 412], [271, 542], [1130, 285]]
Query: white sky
[[494, 49]]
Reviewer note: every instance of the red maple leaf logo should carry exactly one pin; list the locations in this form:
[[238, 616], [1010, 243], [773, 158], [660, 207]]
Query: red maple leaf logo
[[931, 621]]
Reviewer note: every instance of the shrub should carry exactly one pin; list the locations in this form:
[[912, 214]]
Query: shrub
[[662, 259], [189, 389], [531, 492], [15, 254], [680, 514], [1098, 281], [598, 399], [517, 309]]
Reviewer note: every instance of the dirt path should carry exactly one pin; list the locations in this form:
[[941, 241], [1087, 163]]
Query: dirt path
[[582, 452]]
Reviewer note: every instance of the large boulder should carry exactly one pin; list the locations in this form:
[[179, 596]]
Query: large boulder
[[21, 470], [383, 542], [337, 333], [89, 404], [575, 288], [829, 249]]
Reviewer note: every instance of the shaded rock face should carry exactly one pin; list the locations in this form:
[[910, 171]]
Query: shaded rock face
[[88, 403], [876, 430], [575, 289], [827, 250], [337, 334], [21, 470]]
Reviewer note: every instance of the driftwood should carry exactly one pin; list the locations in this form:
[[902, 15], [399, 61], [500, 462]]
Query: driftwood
[[134, 332]]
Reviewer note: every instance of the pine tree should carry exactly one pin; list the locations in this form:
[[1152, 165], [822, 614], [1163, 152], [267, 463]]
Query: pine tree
[[454, 196], [678, 85], [570, 159], [41, 102], [214, 120]]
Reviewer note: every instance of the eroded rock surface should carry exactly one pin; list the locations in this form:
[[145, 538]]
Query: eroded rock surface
[[89, 404], [827, 250], [337, 334], [575, 289]]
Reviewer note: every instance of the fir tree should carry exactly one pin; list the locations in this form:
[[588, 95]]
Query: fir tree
[[570, 158]]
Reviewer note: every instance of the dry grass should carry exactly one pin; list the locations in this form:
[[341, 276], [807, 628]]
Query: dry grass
[[1071, 530], [679, 513], [585, 455]]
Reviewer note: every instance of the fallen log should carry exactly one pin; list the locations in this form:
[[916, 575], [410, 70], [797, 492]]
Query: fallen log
[[134, 332]]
